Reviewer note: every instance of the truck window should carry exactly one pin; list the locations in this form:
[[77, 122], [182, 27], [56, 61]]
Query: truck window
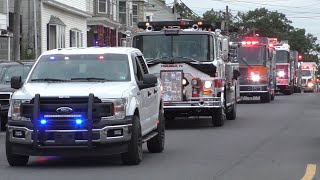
[[305, 73], [111, 67], [194, 46], [16, 70], [254, 55], [282, 56]]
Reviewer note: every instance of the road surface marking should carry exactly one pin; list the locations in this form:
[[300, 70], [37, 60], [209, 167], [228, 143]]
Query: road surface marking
[[310, 172]]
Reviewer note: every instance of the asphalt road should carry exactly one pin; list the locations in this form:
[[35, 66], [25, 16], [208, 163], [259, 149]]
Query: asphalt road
[[276, 141]]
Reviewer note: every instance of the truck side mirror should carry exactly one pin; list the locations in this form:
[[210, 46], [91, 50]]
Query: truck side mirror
[[16, 82], [236, 74]]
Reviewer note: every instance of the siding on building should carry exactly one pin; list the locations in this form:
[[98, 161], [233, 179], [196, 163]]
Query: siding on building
[[70, 20], [158, 11], [79, 4]]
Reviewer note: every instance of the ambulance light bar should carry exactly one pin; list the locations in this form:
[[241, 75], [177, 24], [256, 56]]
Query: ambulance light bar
[[158, 25]]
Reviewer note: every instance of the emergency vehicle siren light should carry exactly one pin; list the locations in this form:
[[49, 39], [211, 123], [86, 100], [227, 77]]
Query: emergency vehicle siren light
[[300, 57], [183, 24]]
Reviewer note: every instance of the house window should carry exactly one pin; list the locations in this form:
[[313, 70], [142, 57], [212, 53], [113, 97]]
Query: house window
[[56, 36], [135, 13], [131, 19], [76, 38], [148, 18], [122, 12], [103, 6]]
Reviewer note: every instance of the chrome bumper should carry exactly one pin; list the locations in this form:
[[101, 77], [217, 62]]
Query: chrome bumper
[[104, 139], [214, 102]]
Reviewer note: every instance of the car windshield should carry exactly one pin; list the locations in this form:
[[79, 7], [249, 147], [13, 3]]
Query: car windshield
[[187, 46], [305, 73], [282, 56], [15, 70], [252, 55], [83, 67]]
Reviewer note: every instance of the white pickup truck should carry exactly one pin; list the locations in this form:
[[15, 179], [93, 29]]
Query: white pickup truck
[[86, 102]]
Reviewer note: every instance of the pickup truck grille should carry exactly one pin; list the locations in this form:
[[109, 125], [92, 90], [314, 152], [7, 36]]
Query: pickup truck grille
[[5, 99], [66, 121]]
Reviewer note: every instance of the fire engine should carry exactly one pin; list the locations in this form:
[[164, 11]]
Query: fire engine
[[297, 71], [284, 68], [257, 64], [308, 79], [191, 58]]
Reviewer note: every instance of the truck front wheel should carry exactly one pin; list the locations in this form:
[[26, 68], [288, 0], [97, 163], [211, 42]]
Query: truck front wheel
[[218, 117], [156, 144], [134, 154], [231, 115], [14, 159], [265, 98]]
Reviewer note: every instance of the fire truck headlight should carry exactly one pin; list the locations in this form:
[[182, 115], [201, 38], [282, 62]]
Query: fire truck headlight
[[207, 84], [310, 84], [185, 82], [281, 73], [255, 78]]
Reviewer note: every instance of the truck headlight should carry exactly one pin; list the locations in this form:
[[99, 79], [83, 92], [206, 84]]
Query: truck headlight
[[255, 78], [16, 110], [207, 84], [281, 73], [119, 108]]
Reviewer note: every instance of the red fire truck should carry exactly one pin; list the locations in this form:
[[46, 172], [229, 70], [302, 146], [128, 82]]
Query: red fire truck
[[257, 64], [284, 68]]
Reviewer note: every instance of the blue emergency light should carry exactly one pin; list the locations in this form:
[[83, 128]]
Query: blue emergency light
[[79, 121], [43, 121]]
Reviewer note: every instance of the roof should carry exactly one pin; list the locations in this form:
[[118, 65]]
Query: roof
[[93, 50]]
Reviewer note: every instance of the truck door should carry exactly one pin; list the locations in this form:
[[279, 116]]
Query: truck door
[[148, 98]]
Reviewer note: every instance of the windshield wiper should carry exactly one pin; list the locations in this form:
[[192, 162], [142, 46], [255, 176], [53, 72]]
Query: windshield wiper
[[188, 58], [50, 79], [90, 79], [246, 63], [158, 60]]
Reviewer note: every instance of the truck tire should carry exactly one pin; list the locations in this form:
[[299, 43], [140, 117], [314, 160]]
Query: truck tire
[[232, 115], [265, 98], [3, 123], [218, 117], [156, 144], [273, 96], [14, 159], [134, 154]]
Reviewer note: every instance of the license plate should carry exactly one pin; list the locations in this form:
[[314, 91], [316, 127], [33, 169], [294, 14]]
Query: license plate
[[64, 138]]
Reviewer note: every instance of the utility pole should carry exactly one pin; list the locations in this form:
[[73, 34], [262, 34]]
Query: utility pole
[[227, 20], [16, 30], [175, 8]]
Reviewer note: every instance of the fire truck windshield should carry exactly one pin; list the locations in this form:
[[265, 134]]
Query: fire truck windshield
[[253, 55], [187, 46], [305, 73], [282, 56]]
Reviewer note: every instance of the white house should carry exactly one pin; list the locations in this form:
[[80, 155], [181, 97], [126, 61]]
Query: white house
[[63, 24]]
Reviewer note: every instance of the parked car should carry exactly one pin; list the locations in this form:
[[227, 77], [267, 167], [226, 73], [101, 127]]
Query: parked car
[[7, 71]]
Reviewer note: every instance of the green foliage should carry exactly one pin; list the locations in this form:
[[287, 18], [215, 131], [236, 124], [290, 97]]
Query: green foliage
[[270, 24]]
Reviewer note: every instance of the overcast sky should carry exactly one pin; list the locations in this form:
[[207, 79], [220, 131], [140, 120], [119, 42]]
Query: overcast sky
[[302, 13]]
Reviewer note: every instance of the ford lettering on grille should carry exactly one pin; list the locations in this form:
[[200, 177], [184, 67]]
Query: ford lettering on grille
[[64, 110]]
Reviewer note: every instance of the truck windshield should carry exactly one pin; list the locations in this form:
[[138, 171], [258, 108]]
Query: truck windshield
[[15, 70], [282, 56], [252, 55], [160, 46], [305, 73], [83, 67]]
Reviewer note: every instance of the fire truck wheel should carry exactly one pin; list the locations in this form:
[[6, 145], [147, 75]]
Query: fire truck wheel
[[14, 159], [272, 96], [218, 117], [156, 144], [265, 98], [232, 115], [134, 154]]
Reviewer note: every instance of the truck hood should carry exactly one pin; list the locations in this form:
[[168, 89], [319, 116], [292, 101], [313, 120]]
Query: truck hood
[[101, 90], [6, 88]]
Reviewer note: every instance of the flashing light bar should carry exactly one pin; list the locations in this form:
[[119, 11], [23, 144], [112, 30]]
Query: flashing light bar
[[250, 42], [156, 25], [59, 116]]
